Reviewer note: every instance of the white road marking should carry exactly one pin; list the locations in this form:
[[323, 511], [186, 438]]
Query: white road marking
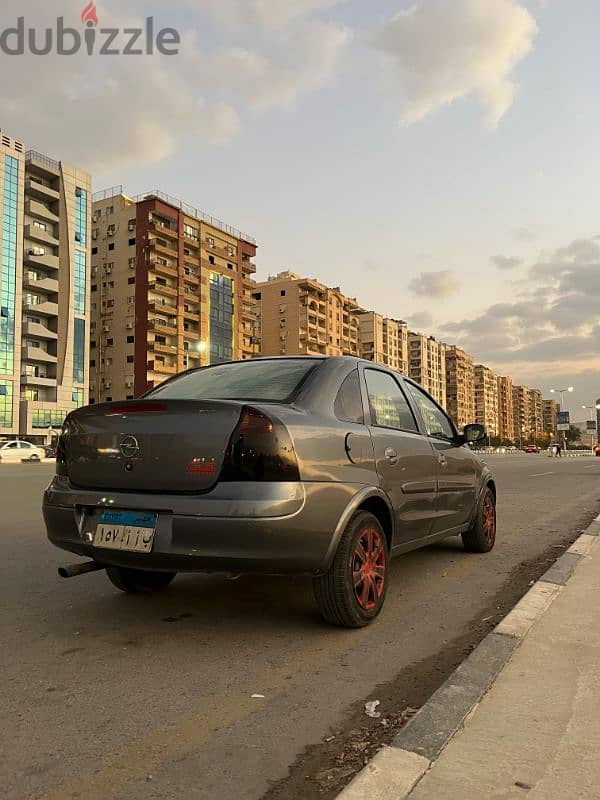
[[539, 474]]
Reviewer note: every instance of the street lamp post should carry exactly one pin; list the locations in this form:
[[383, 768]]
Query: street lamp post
[[562, 393], [593, 415]]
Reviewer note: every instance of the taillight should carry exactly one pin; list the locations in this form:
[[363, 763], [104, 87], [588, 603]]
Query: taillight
[[260, 449]]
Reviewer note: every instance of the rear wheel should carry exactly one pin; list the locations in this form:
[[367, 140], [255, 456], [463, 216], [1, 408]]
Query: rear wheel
[[34, 457], [481, 537], [138, 581], [351, 594]]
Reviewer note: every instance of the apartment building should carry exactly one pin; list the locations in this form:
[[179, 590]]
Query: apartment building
[[506, 418], [521, 414], [551, 409], [383, 340], [486, 399], [536, 413], [301, 316], [460, 386], [427, 365], [44, 290], [171, 288]]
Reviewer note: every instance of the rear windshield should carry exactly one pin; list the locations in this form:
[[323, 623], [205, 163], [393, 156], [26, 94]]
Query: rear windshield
[[270, 381]]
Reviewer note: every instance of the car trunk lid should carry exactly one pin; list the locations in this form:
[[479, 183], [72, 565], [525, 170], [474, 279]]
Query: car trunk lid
[[150, 445]]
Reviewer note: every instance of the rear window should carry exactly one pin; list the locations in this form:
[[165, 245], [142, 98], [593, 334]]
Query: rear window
[[268, 381]]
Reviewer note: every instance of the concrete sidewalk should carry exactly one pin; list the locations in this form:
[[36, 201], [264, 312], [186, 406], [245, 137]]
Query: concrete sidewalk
[[520, 718], [536, 733]]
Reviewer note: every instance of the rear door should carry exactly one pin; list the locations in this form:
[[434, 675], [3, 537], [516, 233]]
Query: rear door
[[11, 452], [459, 471], [405, 460]]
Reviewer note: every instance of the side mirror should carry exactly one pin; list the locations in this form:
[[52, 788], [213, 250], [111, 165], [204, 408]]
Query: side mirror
[[474, 433]]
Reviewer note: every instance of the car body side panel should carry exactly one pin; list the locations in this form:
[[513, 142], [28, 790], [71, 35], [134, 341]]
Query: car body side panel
[[459, 482]]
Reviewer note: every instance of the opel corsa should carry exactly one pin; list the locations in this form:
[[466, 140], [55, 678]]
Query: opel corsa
[[317, 466]]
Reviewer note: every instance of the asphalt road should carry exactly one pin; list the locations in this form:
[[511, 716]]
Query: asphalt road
[[110, 696]]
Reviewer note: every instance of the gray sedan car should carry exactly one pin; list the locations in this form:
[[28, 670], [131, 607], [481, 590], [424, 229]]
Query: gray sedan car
[[320, 466]]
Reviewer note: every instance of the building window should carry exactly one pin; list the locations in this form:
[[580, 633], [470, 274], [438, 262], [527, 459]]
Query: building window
[[130, 339], [211, 259], [79, 350], [49, 419], [77, 397], [130, 359], [131, 280], [109, 210], [190, 232], [282, 293], [109, 342], [131, 262], [8, 271], [111, 246], [6, 403], [132, 242], [81, 214], [210, 241], [80, 281], [221, 318]]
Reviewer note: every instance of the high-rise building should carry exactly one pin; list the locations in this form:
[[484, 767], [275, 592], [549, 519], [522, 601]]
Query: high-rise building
[[536, 413], [171, 289], [551, 408], [44, 290], [521, 414], [301, 316], [427, 365], [383, 340], [506, 418], [486, 400], [460, 386]]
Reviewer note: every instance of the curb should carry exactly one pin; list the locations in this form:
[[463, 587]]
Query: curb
[[397, 768]]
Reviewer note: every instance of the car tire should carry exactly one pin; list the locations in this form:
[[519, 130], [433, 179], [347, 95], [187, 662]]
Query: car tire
[[138, 581], [352, 592], [34, 457], [481, 537]]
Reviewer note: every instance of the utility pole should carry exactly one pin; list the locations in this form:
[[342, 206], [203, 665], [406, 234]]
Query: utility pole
[[562, 393]]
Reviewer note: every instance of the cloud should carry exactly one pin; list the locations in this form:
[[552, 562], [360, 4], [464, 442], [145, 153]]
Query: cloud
[[279, 13], [435, 284], [441, 51], [506, 262], [421, 320], [552, 324], [306, 63]]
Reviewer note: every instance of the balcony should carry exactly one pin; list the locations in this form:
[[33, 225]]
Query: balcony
[[46, 308], [192, 277], [194, 316], [190, 258], [45, 260], [39, 331], [40, 235], [161, 325], [41, 284], [37, 188], [162, 247], [161, 288], [162, 308], [163, 269], [38, 355], [35, 208], [162, 369], [167, 349], [163, 229], [37, 380]]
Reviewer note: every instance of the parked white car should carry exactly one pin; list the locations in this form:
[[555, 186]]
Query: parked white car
[[17, 450]]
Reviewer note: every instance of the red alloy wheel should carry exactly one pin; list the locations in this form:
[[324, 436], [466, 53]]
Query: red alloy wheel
[[368, 569], [489, 519]]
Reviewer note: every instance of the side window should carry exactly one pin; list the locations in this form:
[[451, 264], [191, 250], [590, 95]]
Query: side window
[[389, 407], [348, 403], [12, 446], [436, 423]]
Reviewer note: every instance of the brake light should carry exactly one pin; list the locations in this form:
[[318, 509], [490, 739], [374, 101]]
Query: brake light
[[260, 449], [136, 408]]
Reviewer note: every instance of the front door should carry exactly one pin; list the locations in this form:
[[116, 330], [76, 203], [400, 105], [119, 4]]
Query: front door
[[405, 459], [458, 469]]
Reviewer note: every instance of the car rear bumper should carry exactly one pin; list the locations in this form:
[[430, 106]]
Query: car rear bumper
[[238, 527]]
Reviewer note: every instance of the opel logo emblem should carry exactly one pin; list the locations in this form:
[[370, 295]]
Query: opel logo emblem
[[129, 446]]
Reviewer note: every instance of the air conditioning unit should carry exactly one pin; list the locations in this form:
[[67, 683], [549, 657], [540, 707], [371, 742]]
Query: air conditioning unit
[[94, 234], [106, 329], [110, 231], [129, 326], [107, 384], [129, 384], [95, 217], [108, 270]]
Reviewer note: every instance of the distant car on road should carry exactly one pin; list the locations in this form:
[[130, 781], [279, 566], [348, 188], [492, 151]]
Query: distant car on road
[[318, 466], [597, 450], [531, 448], [17, 450]]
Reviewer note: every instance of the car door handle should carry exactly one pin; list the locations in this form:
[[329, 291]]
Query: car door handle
[[391, 455], [443, 460]]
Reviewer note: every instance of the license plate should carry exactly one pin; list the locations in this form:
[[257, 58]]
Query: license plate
[[125, 530]]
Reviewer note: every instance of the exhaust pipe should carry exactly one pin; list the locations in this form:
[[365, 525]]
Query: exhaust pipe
[[79, 569]]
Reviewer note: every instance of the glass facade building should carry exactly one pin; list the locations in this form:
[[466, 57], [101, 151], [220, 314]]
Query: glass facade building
[[8, 274], [221, 318], [79, 351], [80, 281]]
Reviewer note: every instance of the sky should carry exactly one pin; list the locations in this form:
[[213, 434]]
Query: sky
[[437, 159]]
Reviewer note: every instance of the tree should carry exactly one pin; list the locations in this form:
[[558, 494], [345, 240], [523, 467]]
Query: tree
[[573, 435]]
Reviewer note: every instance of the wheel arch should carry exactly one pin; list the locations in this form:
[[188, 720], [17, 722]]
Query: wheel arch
[[370, 499]]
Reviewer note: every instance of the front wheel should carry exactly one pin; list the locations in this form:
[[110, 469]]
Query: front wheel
[[352, 592], [481, 537], [139, 581]]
